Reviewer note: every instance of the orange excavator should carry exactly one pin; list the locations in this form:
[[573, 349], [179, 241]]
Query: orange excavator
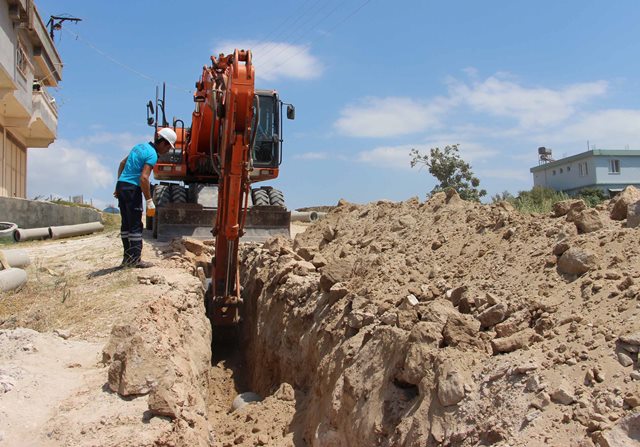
[[234, 141]]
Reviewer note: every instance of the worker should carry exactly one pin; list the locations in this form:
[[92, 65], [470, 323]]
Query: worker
[[133, 183]]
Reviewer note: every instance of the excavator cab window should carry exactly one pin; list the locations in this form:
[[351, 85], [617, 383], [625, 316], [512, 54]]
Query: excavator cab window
[[266, 146]]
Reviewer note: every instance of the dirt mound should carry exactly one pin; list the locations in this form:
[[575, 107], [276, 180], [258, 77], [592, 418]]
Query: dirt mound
[[147, 387], [165, 351], [448, 322]]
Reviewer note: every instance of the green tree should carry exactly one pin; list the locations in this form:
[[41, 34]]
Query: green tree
[[504, 196], [450, 170]]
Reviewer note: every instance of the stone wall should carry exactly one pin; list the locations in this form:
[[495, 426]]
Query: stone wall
[[35, 214]]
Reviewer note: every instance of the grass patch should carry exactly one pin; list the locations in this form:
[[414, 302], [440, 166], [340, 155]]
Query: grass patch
[[111, 221], [67, 203], [591, 196], [537, 201], [54, 299]]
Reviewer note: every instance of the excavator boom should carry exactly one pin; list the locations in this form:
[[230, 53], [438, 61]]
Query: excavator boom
[[234, 141]]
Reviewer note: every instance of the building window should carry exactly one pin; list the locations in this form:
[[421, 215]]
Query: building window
[[22, 62], [553, 172], [614, 166], [561, 171], [568, 168], [583, 170]]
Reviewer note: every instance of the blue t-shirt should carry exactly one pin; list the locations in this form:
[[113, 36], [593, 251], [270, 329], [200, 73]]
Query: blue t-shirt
[[140, 155]]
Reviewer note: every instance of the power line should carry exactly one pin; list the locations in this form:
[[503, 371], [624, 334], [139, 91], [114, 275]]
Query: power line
[[312, 29], [292, 29], [123, 65], [280, 27], [353, 13]]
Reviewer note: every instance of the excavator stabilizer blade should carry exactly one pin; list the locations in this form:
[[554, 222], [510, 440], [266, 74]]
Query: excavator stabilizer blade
[[192, 220]]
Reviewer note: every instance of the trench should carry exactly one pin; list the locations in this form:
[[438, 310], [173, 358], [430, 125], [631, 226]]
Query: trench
[[274, 421]]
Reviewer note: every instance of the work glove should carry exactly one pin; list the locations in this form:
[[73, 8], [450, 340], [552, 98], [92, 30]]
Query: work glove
[[150, 204]]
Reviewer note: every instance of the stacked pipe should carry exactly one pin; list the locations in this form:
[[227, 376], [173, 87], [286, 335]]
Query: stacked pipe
[[7, 229], [59, 232], [12, 277]]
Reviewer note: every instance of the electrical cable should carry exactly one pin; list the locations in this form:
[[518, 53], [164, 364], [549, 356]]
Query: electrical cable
[[312, 29], [353, 13], [294, 29], [123, 65], [278, 29]]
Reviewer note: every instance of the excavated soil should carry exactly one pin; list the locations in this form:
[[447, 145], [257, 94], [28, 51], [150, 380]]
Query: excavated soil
[[446, 323], [386, 324]]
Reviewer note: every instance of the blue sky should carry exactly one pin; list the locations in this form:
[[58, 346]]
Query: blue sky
[[370, 80]]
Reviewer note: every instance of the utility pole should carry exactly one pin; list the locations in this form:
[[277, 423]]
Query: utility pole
[[55, 23]]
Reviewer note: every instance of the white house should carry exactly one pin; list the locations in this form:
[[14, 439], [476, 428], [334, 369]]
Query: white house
[[29, 63], [608, 170]]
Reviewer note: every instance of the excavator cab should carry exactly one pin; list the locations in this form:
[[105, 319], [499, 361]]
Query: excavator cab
[[267, 143]]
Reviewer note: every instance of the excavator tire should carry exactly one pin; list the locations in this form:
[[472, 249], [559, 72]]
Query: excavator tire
[[178, 194], [276, 198], [161, 195], [260, 197]]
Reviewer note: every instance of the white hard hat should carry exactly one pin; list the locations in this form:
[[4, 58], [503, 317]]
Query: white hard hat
[[169, 135]]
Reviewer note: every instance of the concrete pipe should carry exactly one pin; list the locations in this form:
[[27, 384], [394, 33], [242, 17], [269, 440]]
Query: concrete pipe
[[304, 216], [75, 230], [11, 279], [7, 229], [243, 399], [29, 234], [16, 258]]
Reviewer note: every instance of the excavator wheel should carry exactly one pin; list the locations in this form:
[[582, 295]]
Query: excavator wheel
[[161, 195], [178, 194], [276, 198], [260, 197]]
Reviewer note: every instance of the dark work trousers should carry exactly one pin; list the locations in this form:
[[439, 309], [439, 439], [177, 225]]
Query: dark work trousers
[[130, 204]]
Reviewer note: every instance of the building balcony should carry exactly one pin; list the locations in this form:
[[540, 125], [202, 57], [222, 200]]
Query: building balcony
[[46, 61], [15, 103], [43, 125]]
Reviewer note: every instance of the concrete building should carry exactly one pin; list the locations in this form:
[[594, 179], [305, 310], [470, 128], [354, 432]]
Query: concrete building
[[607, 170], [29, 63]]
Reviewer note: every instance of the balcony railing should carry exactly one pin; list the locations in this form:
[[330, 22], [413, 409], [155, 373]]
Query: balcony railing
[[46, 98]]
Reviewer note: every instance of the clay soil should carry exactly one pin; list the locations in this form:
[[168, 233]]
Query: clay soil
[[387, 324]]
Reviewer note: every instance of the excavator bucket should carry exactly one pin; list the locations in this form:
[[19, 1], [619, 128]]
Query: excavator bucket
[[193, 220]]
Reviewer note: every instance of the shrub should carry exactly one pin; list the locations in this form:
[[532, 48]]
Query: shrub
[[538, 200], [591, 196]]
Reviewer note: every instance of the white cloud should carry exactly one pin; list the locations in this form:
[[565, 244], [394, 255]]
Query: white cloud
[[607, 129], [386, 117], [311, 156], [277, 60], [398, 157], [531, 107], [66, 170], [388, 156], [469, 151]]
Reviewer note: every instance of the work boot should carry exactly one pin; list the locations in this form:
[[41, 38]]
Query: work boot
[[142, 265]]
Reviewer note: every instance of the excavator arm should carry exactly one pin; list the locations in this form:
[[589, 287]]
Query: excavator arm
[[234, 141], [235, 80]]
